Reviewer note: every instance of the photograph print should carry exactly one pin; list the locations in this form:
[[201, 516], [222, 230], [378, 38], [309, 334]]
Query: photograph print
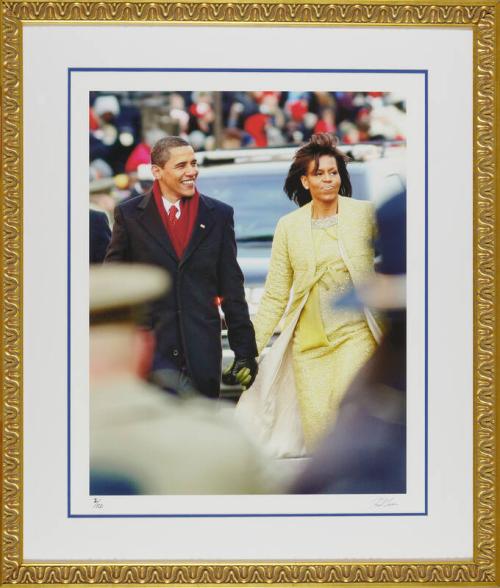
[[247, 325]]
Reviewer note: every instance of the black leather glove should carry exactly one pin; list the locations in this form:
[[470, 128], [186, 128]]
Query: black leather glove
[[242, 371]]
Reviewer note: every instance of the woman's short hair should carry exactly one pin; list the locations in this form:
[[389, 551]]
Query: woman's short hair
[[318, 145], [160, 153]]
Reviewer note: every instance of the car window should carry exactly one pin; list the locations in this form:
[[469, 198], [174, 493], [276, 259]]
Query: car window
[[258, 201]]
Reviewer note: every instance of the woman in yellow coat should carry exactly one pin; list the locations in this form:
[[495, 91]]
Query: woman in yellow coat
[[318, 252]]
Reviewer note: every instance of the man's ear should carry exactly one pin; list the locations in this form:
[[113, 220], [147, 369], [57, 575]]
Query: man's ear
[[155, 170]]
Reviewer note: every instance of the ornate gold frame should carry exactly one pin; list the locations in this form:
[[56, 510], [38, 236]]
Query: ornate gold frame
[[484, 19]]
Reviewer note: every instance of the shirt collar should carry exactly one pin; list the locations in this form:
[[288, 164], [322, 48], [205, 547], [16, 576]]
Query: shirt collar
[[167, 204]]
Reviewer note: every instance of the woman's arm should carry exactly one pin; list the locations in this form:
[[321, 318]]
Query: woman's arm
[[277, 290]]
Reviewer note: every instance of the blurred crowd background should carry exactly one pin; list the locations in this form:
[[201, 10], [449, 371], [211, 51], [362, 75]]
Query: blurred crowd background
[[124, 125]]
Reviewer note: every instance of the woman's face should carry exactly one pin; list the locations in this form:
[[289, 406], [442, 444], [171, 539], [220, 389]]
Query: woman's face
[[324, 183]]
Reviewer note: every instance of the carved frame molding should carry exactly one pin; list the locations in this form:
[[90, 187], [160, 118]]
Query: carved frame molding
[[479, 17]]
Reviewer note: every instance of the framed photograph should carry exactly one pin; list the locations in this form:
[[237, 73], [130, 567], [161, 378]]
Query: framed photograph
[[414, 84]]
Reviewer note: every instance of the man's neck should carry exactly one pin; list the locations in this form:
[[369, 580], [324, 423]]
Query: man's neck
[[171, 198]]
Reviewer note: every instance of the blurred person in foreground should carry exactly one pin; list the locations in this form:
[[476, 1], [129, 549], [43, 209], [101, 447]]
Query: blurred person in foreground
[[318, 251], [365, 451], [143, 441], [192, 237]]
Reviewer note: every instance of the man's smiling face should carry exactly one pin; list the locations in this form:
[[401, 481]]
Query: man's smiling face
[[177, 178]]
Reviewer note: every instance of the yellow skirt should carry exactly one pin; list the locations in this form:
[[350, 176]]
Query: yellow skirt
[[322, 375]]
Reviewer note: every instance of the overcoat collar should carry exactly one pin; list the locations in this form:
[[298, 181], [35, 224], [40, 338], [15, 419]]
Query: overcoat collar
[[149, 218]]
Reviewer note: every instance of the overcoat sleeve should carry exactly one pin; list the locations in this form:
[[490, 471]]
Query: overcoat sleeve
[[277, 289], [240, 331], [118, 249]]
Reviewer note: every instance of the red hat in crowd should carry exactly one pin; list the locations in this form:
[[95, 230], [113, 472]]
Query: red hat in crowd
[[199, 110], [255, 125], [140, 154], [259, 96], [323, 126], [298, 110], [93, 120]]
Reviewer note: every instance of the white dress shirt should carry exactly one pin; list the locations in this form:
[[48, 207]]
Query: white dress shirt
[[168, 205]]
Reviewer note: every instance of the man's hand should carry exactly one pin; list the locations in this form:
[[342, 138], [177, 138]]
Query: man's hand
[[242, 371]]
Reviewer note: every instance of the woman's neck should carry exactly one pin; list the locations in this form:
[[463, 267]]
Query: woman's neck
[[324, 209]]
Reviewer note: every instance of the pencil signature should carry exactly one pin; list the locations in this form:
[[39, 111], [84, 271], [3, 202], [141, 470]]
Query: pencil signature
[[384, 502]]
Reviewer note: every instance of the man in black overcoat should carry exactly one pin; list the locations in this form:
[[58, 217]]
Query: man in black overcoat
[[192, 237]]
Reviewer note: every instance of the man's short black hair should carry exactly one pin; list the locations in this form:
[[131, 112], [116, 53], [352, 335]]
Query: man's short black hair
[[160, 153]]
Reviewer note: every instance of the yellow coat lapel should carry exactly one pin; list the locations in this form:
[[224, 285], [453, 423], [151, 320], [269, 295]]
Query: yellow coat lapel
[[301, 250], [356, 230]]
